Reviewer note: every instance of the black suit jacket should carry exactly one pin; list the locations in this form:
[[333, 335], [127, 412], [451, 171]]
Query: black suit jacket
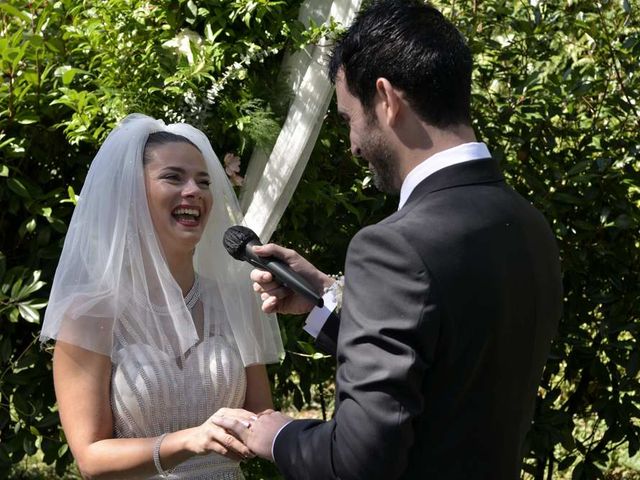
[[450, 305]]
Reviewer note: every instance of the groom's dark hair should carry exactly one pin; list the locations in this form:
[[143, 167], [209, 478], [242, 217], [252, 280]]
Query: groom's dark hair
[[417, 49]]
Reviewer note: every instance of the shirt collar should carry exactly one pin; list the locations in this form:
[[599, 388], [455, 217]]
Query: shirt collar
[[452, 156]]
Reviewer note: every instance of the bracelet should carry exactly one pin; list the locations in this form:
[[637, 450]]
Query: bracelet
[[156, 457], [335, 289]]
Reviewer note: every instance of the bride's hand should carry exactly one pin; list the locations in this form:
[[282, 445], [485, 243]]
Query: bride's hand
[[209, 437]]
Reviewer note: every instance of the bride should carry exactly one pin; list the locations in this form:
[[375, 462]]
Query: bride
[[155, 326]]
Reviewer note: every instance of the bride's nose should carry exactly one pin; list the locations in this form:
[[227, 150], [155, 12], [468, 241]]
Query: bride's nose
[[191, 189]]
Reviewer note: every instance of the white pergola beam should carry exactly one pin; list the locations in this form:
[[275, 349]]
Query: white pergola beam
[[271, 179]]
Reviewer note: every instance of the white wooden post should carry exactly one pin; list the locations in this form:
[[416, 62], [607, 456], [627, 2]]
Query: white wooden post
[[272, 178]]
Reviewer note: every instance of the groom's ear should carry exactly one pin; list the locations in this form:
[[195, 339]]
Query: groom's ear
[[389, 102]]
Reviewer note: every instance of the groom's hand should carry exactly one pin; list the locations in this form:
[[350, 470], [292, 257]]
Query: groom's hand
[[259, 435], [277, 298]]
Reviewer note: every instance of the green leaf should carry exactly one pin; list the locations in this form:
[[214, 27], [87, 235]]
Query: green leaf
[[634, 445], [31, 225], [38, 304], [29, 313], [3, 265], [193, 8], [29, 445], [73, 198], [306, 347], [566, 462], [49, 420], [16, 288], [22, 405], [57, 224], [17, 186], [5, 350], [623, 221], [27, 118], [67, 73], [62, 450], [4, 171], [15, 12], [44, 236], [567, 198], [208, 33], [578, 168], [4, 455], [34, 284], [578, 472]]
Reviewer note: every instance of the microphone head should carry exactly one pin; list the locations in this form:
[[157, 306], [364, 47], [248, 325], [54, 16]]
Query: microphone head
[[236, 238]]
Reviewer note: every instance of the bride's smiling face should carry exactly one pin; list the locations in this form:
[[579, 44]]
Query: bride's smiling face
[[177, 185]]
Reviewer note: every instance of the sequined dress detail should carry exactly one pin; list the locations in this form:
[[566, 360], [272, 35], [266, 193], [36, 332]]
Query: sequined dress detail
[[153, 392]]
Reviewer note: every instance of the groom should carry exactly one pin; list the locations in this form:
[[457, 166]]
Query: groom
[[450, 304]]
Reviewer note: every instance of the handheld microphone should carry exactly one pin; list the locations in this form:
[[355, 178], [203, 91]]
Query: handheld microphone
[[239, 242]]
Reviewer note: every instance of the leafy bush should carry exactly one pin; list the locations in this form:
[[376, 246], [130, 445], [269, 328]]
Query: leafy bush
[[555, 97], [71, 70]]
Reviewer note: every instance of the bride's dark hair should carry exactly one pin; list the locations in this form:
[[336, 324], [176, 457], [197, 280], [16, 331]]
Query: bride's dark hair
[[157, 139]]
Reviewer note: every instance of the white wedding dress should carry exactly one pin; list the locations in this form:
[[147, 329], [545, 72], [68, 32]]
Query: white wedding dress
[[153, 392]]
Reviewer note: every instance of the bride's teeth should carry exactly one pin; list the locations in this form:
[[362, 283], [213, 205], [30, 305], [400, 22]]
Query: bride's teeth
[[187, 211]]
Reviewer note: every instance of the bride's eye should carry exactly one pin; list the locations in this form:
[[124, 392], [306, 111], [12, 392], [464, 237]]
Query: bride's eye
[[171, 177]]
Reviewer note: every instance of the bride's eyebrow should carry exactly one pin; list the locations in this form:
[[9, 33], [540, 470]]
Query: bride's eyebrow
[[173, 169], [182, 171]]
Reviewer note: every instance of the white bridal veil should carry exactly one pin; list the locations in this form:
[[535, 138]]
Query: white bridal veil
[[112, 265]]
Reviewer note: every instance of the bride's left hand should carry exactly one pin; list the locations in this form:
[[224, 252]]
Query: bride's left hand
[[258, 435], [211, 437]]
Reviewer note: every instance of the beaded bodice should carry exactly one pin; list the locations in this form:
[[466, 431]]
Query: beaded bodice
[[153, 392]]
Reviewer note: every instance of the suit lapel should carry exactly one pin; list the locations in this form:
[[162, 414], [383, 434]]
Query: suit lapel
[[467, 173]]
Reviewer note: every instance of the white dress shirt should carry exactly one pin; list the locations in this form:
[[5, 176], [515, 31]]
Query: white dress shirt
[[452, 156]]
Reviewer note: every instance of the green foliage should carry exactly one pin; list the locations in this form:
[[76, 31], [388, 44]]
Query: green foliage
[[71, 70], [555, 97]]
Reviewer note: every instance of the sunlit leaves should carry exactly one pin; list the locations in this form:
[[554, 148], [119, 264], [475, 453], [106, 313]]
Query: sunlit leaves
[[556, 95]]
